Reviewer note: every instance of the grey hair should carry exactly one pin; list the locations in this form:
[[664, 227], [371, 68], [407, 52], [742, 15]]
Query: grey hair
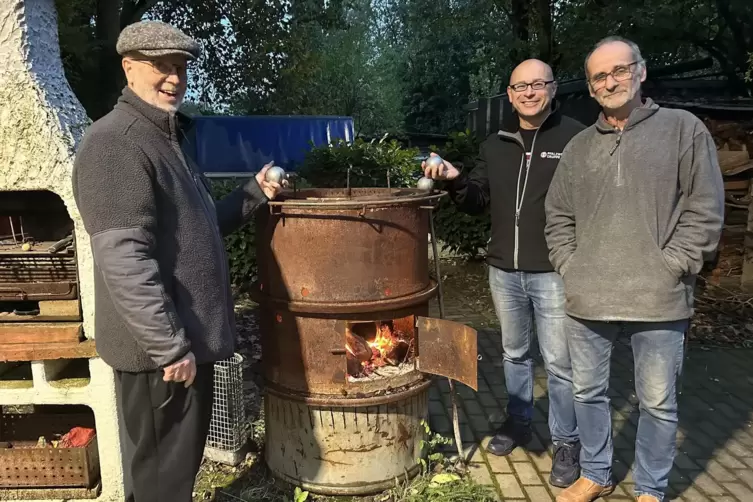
[[614, 38]]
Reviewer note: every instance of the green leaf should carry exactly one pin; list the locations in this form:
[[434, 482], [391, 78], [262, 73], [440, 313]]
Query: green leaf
[[445, 478], [300, 495]]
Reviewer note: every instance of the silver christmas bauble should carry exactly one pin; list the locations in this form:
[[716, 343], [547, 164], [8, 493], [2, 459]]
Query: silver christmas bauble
[[426, 184], [275, 174], [434, 161]]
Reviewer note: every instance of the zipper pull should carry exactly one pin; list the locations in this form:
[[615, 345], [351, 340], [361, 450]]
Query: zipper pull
[[517, 218], [616, 144]]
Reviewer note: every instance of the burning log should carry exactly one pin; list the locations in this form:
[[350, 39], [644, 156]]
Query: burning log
[[358, 352], [357, 347]]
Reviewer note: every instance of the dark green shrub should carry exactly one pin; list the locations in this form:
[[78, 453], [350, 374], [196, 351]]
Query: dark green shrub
[[369, 163], [241, 244], [460, 232]]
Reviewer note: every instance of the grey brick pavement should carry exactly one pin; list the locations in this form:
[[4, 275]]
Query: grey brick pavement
[[715, 439]]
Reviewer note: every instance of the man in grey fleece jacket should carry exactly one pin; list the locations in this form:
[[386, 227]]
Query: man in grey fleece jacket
[[634, 208], [162, 296]]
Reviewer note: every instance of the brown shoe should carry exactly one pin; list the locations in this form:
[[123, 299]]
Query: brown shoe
[[584, 490], [647, 498]]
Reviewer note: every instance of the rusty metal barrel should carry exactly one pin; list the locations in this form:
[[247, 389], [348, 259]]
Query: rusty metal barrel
[[346, 251], [331, 261]]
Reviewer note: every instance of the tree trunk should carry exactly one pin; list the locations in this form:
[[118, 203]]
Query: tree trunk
[[112, 17], [520, 18], [545, 35], [110, 76]]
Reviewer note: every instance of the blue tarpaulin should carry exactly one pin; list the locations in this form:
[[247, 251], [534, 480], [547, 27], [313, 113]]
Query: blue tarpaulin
[[243, 144]]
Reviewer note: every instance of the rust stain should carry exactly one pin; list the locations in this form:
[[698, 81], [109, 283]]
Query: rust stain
[[304, 292], [279, 318]]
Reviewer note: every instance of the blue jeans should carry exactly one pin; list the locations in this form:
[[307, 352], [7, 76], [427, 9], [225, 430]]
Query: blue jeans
[[658, 353], [520, 299]]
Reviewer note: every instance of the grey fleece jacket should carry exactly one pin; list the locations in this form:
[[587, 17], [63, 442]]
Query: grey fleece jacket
[[633, 214], [161, 277]]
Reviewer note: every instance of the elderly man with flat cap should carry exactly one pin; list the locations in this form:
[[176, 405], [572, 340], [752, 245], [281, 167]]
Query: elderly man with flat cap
[[162, 296]]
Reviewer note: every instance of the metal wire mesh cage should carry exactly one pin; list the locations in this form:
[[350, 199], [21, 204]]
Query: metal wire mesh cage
[[228, 429]]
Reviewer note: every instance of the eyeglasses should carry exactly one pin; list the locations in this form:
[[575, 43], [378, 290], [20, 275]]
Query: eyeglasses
[[536, 86], [619, 73], [161, 67]]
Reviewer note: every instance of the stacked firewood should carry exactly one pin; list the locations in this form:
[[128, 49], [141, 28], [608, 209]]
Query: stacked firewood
[[734, 142]]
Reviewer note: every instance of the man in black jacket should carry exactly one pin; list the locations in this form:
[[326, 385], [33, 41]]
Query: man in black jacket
[[511, 178], [162, 295]]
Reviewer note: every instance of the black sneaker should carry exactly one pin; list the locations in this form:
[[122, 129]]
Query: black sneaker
[[566, 464], [509, 436]]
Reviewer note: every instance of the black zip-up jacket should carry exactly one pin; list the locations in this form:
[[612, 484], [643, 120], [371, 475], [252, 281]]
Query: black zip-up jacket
[[517, 215], [161, 277]]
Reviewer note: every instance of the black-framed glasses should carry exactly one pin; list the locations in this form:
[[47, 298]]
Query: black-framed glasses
[[536, 86], [619, 73]]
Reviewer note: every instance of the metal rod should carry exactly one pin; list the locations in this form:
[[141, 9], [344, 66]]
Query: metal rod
[[388, 179], [12, 229], [440, 296], [21, 222], [440, 292], [350, 166]]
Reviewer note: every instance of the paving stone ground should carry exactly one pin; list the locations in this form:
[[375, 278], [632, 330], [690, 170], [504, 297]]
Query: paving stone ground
[[714, 459]]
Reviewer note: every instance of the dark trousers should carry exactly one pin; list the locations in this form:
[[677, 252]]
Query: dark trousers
[[164, 428]]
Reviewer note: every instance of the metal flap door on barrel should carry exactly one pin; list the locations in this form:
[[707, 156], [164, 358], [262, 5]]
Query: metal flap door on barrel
[[349, 349]]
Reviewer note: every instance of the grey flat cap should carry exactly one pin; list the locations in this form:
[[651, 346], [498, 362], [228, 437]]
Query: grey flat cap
[[155, 38]]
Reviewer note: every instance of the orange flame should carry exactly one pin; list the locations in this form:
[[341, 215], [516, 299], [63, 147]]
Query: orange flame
[[384, 342]]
